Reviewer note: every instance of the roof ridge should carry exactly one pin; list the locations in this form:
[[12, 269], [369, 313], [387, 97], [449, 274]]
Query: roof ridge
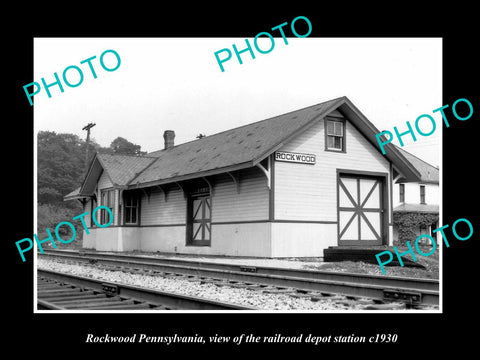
[[128, 155], [238, 148], [253, 123], [144, 169], [106, 168]]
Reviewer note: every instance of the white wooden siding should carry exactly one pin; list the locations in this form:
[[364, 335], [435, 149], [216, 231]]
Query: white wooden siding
[[309, 192], [252, 203], [412, 193], [104, 182], [157, 211]]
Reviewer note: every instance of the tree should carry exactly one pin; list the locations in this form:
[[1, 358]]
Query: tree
[[122, 146], [60, 164], [60, 170]]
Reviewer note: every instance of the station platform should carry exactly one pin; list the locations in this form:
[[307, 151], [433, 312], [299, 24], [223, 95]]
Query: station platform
[[366, 254], [290, 263], [347, 260]]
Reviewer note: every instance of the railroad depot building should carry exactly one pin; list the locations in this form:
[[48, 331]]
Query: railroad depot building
[[288, 186]]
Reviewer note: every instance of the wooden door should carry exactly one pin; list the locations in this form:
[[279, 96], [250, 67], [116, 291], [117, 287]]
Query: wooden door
[[199, 222], [360, 210]]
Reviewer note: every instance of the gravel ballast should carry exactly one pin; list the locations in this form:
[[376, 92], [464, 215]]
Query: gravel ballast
[[241, 296]]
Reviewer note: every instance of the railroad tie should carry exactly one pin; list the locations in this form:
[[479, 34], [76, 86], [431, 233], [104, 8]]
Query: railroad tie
[[318, 296], [388, 306], [103, 302], [278, 290]]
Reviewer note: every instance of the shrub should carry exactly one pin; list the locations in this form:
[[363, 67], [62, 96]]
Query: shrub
[[409, 222], [49, 216]]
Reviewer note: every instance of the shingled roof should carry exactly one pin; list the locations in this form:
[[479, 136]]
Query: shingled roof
[[121, 169], [244, 146], [428, 173], [247, 145], [230, 150]]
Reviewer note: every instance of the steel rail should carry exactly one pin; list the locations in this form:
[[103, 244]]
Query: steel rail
[[423, 291], [137, 294]]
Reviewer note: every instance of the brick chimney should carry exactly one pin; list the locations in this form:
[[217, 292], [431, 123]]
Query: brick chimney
[[169, 136]]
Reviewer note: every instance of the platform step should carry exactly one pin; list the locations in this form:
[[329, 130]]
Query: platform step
[[337, 253]]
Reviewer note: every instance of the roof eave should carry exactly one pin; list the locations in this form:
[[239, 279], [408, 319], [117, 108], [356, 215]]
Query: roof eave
[[222, 170], [367, 129], [426, 182], [89, 171], [416, 208], [370, 131], [76, 197]]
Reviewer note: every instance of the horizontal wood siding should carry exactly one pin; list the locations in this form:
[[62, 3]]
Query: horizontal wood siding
[[251, 203], [227, 204], [157, 211], [104, 182], [308, 192]]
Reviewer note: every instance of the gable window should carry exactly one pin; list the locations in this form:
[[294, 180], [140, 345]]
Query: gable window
[[422, 194], [335, 135], [402, 193], [131, 204], [108, 200]]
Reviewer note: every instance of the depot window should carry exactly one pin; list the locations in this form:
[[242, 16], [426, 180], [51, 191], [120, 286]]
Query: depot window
[[131, 209], [108, 200], [335, 135]]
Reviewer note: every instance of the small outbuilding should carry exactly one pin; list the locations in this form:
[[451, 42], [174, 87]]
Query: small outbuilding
[[416, 204], [288, 186]]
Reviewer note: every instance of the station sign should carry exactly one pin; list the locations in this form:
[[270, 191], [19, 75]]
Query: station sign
[[295, 157]]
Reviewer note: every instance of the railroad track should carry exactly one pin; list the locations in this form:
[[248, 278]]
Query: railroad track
[[57, 291], [413, 292]]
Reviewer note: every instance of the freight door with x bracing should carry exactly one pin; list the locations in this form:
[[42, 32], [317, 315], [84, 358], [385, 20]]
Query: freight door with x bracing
[[361, 209]]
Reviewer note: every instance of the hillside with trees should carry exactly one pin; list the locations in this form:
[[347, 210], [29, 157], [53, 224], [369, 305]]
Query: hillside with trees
[[60, 170]]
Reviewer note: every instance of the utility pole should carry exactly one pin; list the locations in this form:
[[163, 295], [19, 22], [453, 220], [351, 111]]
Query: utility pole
[[87, 127]]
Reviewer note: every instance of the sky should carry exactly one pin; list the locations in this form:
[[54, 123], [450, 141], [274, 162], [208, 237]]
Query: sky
[[176, 84]]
